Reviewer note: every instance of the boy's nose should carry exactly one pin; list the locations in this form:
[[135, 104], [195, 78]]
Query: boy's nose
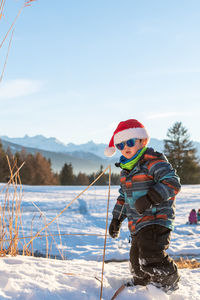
[[126, 146]]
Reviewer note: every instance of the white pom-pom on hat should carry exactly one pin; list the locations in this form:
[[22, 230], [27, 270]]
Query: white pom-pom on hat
[[109, 151], [126, 130]]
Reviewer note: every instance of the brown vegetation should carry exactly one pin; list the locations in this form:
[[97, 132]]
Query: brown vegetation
[[11, 228], [185, 263], [10, 212], [36, 171]]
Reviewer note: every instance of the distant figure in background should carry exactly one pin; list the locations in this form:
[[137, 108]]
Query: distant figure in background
[[193, 217], [198, 215]]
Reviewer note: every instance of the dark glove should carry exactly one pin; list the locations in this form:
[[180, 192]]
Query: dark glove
[[142, 203], [154, 196], [114, 228], [145, 202]]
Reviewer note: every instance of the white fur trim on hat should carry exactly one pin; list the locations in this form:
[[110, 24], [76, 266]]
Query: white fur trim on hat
[[109, 151], [125, 135]]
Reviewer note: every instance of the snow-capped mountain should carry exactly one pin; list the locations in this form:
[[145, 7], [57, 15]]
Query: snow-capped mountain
[[54, 145], [38, 141]]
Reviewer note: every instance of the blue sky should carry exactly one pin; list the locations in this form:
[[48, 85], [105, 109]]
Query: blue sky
[[77, 68]]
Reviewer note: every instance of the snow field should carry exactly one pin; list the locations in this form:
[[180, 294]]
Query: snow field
[[30, 278]]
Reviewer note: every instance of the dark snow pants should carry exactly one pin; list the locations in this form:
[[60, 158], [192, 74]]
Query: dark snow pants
[[149, 261]]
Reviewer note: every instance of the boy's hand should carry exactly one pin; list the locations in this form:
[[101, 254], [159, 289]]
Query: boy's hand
[[142, 203], [145, 202], [154, 196], [114, 228]]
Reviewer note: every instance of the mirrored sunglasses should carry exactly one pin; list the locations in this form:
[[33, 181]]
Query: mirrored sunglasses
[[129, 143]]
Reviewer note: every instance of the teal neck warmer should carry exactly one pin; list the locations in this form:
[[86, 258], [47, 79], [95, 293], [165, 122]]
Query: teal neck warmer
[[128, 164]]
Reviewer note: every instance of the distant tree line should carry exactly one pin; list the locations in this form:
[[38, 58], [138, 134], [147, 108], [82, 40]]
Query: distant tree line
[[67, 177], [37, 170]]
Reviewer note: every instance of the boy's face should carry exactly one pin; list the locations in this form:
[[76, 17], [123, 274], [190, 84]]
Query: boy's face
[[129, 152]]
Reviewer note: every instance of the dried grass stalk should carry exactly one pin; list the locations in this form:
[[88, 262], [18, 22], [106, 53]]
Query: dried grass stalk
[[185, 263], [12, 27], [9, 214]]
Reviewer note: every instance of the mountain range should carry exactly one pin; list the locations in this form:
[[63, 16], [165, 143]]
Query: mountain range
[[84, 157]]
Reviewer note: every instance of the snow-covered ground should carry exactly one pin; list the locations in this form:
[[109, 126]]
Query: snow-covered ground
[[77, 276], [28, 278]]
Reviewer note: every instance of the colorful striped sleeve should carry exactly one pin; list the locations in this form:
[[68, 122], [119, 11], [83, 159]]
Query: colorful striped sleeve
[[167, 182], [119, 210]]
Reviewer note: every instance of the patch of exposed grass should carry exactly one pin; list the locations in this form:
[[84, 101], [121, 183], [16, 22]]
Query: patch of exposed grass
[[185, 263]]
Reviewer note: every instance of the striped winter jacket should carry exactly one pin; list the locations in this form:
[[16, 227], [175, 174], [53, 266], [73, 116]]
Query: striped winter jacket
[[152, 170]]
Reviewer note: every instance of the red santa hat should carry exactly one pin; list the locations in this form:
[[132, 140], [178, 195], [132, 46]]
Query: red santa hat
[[126, 130]]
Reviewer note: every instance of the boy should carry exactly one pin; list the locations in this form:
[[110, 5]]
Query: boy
[[147, 198]]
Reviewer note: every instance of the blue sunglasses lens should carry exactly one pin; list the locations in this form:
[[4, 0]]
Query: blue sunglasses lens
[[129, 143], [120, 146]]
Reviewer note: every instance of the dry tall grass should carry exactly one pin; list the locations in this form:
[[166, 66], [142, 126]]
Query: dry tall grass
[[186, 263], [26, 3], [10, 212], [11, 225], [2, 3]]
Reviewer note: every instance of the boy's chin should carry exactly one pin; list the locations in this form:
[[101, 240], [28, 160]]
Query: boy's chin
[[128, 156]]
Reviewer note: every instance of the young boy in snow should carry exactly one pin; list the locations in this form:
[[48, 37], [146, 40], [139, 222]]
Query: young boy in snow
[[146, 198]]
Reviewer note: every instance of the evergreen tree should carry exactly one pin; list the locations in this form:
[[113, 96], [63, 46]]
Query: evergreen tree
[[66, 175], [36, 170], [91, 177], [182, 154], [27, 171], [103, 180], [82, 179], [42, 171], [4, 168], [115, 179]]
